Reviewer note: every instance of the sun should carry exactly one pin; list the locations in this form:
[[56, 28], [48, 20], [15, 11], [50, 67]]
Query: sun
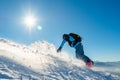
[[30, 21]]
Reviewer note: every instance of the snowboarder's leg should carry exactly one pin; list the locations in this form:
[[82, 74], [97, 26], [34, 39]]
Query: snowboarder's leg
[[80, 55]]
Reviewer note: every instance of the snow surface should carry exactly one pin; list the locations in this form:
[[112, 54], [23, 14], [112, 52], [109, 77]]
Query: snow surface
[[111, 67], [40, 61]]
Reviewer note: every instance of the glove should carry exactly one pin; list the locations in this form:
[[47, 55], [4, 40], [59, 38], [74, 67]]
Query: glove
[[59, 49]]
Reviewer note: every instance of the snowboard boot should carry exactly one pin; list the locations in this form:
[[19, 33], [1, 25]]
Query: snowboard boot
[[89, 63]]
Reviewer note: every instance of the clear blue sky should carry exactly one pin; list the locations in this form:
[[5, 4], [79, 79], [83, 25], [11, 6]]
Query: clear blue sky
[[97, 21]]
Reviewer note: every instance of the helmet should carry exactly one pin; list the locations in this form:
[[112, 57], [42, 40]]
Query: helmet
[[66, 37]]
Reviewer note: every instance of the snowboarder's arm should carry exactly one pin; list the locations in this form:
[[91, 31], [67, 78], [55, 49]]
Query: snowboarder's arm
[[62, 44]]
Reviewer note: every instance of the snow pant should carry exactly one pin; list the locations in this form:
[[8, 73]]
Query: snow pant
[[80, 53]]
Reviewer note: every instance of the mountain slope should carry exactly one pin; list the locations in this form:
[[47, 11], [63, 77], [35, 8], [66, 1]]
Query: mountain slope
[[111, 67], [39, 61]]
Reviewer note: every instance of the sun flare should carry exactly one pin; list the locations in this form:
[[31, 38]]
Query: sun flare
[[30, 21]]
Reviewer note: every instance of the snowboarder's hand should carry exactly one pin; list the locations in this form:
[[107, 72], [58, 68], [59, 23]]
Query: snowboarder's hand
[[59, 49]]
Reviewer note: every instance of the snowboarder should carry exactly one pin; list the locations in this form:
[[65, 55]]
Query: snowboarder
[[74, 40]]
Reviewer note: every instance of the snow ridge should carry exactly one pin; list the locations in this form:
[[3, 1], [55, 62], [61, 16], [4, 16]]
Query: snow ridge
[[40, 61]]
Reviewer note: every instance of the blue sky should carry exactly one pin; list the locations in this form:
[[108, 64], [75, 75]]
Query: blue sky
[[97, 21]]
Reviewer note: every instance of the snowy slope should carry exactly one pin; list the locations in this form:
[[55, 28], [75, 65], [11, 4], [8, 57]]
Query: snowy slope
[[39, 61], [111, 67]]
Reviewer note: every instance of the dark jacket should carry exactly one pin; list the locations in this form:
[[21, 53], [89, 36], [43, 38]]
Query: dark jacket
[[72, 39]]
